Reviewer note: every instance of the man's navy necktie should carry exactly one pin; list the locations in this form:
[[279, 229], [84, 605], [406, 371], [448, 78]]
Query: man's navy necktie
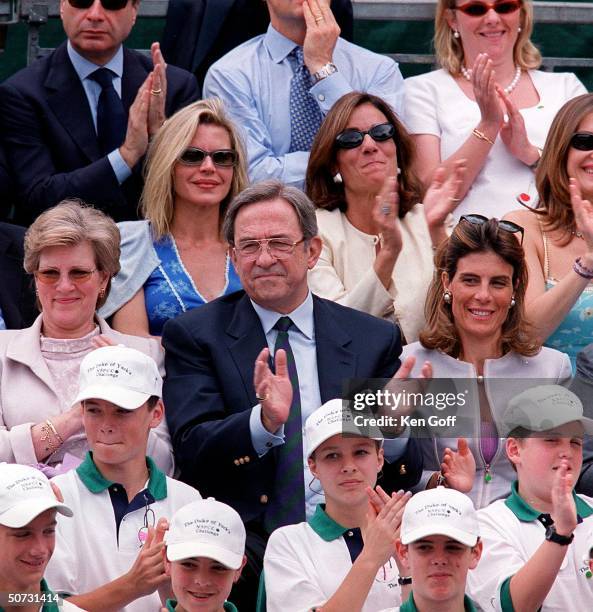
[[287, 505], [111, 116], [305, 114]]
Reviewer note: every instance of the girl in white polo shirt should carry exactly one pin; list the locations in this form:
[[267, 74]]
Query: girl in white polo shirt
[[325, 561]]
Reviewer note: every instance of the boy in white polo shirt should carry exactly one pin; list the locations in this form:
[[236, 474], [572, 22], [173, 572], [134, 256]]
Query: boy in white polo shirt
[[110, 557], [28, 509], [205, 556], [439, 542], [536, 541]]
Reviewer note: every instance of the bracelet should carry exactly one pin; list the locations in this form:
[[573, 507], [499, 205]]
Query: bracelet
[[581, 270], [46, 436], [535, 164], [404, 580], [481, 136], [55, 432]]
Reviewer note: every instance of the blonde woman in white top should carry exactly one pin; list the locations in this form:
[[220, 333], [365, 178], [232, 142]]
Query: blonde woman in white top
[[377, 235]]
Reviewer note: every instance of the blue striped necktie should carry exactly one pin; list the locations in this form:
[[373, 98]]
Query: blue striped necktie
[[287, 505], [305, 114]]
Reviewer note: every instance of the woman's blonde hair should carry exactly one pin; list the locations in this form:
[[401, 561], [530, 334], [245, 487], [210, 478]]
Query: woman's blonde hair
[[70, 223], [449, 50], [158, 197]]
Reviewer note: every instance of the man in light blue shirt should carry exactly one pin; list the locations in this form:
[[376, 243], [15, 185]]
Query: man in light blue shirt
[[255, 80]]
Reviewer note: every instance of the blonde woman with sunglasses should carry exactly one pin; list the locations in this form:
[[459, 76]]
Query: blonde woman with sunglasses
[[73, 252], [176, 259], [488, 103]]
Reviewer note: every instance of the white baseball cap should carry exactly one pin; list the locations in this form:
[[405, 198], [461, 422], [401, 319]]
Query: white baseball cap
[[123, 376], [440, 511], [545, 407], [25, 493], [207, 528], [331, 419]]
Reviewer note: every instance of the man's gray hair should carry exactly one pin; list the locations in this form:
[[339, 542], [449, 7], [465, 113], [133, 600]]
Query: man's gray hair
[[265, 192]]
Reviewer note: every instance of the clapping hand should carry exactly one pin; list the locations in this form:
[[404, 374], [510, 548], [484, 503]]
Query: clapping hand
[[583, 213], [274, 391], [385, 213], [459, 467], [442, 197]]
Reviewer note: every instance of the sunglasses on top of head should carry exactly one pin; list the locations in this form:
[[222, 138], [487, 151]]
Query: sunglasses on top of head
[[351, 138], [479, 9], [503, 224], [192, 156], [583, 141], [108, 5]]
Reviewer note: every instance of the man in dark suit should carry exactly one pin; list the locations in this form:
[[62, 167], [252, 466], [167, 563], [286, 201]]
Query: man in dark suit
[[72, 130], [229, 442], [17, 297], [198, 32]]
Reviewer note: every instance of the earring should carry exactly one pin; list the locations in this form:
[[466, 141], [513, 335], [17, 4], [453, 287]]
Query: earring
[[399, 171], [513, 301], [519, 30], [455, 34], [337, 178], [447, 297], [320, 492], [102, 293]]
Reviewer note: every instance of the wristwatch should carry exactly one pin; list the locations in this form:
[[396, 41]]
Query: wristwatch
[[552, 536], [324, 72]]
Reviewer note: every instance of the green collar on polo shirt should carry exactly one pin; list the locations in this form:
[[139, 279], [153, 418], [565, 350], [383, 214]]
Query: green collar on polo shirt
[[95, 482], [324, 526], [410, 605], [227, 606], [524, 512]]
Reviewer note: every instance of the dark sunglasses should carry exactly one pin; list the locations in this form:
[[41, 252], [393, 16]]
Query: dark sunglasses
[[583, 141], [479, 9], [192, 156], [350, 139], [507, 226], [108, 5]]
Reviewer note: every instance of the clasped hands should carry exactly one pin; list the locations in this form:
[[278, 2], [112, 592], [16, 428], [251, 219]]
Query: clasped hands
[[147, 112]]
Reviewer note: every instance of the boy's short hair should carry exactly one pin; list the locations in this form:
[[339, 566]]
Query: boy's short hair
[[207, 528], [123, 376], [440, 511], [25, 493]]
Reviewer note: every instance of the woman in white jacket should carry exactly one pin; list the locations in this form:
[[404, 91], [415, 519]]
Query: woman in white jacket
[[477, 329]]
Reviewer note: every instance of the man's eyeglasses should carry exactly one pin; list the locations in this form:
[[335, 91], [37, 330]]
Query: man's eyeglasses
[[51, 276], [479, 9], [503, 224], [108, 5], [583, 141], [351, 138], [192, 156], [276, 247]]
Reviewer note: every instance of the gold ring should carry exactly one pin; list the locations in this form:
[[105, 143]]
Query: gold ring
[[261, 398], [156, 92], [318, 19], [455, 199]]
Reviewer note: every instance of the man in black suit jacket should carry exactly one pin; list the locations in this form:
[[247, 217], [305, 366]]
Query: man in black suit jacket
[[17, 296], [226, 439], [198, 32], [49, 114], [216, 421]]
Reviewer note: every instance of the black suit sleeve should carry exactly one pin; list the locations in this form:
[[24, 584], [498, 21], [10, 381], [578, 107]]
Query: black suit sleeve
[[39, 183], [209, 424]]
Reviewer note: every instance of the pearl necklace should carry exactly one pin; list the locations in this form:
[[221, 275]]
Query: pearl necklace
[[467, 74]]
